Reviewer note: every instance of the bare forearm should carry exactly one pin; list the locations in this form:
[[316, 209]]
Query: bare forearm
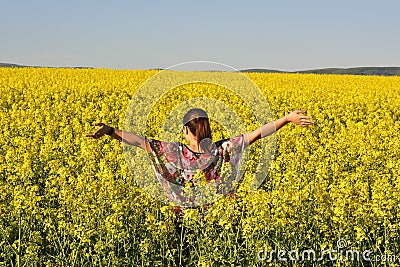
[[128, 138], [266, 130], [279, 123], [117, 135], [269, 128]]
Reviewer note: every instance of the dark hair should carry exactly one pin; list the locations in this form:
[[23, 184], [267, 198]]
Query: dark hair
[[197, 121]]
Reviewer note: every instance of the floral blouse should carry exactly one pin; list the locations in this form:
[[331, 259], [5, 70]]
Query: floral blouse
[[185, 175]]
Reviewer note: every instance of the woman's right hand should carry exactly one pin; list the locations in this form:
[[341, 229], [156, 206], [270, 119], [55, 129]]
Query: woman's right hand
[[298, 119], [102, 130]]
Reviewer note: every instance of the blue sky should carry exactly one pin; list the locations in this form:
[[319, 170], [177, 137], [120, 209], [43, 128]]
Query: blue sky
[[284, 35]]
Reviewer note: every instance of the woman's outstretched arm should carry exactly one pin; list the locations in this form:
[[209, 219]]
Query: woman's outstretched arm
[[274, 126], [129, 138]]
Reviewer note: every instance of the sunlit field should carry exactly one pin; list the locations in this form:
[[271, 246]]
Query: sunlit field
[[68, 200]]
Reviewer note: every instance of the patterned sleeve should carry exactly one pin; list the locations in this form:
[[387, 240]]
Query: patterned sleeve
[[157, 147], [165, 159], [232, 148], [234, 144], [231, 151]]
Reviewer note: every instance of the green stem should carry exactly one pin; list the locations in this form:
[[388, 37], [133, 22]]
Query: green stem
[[19, 239]]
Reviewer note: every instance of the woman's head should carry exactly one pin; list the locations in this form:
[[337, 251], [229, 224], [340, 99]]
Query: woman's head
[[196, 120]]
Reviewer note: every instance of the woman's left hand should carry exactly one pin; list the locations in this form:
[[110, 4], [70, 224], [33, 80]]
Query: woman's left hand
[[102, 130]]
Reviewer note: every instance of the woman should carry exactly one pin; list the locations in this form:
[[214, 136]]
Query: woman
[[176, 164]]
